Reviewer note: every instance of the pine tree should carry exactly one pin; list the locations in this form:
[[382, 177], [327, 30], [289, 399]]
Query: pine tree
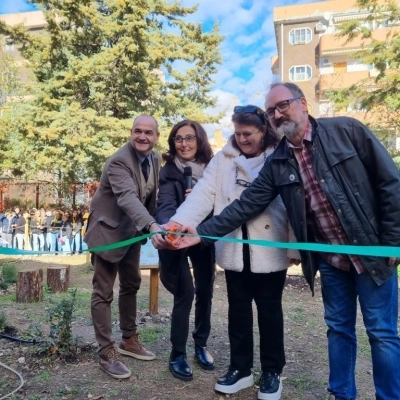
[[99, 64]]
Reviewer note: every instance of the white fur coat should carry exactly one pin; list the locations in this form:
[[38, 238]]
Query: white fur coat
[[217, 189]]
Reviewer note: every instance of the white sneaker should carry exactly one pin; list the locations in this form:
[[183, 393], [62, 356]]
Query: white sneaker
[[270, 386], [233, 381]]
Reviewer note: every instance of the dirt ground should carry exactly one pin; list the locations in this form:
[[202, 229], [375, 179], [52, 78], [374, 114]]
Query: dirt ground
[[46, 378]]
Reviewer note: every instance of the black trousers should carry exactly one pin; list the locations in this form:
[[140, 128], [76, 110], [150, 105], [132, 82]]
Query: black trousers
[[266, 290], [177, 278]]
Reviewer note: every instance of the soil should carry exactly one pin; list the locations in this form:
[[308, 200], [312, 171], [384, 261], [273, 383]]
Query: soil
[[48, 377]]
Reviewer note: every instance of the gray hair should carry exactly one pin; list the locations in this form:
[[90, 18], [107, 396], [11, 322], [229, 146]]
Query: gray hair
[[294, 89]]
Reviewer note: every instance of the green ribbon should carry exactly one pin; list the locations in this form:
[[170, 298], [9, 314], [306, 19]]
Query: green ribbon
[[373, 251]]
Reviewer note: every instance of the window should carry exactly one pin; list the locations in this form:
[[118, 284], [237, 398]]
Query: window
[[300, 36], [300, 73], [340, 67], [357, 107], [9, 45]]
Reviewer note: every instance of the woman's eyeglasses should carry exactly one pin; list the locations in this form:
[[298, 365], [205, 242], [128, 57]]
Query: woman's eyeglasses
[[242, 182], [251, 110], [188, 139]]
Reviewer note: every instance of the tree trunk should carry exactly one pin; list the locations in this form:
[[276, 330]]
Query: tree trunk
[[58, 278], [30, 286]]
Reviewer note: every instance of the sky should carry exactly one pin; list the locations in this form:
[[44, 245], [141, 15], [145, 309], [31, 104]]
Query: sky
[[249, 44]]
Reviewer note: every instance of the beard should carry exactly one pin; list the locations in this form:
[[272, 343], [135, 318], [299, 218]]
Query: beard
[[288, 129]]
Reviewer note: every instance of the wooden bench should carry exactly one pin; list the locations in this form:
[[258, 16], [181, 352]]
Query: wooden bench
[[153, 285]]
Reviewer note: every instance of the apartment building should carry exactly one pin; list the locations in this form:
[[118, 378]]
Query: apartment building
[[311, 55], [34, 22]]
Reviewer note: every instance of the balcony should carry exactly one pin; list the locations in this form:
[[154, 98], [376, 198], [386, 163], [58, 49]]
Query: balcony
[[333, 44], [31, 19], [275, 65], [341, 80]]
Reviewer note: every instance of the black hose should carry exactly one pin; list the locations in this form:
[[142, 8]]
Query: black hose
[[33, 341]]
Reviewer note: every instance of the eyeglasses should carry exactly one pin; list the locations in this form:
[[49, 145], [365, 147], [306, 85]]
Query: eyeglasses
[[251, 110], [189, 139], [242, 182], [281, 107]]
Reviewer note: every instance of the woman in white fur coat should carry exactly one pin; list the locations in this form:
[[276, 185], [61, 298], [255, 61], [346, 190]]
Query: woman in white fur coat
[[252, 272]]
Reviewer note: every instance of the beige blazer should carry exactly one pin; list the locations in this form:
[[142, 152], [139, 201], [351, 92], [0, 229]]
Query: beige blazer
[[117, 208]]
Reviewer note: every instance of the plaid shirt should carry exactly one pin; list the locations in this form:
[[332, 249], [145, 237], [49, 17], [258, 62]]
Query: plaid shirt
[[319, 209]]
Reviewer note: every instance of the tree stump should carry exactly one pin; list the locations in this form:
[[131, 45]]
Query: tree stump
[[58, 278], [30, 286]]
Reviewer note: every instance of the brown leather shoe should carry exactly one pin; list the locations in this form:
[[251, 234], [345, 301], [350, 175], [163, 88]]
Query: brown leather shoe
[[132, 347], [112, 366]]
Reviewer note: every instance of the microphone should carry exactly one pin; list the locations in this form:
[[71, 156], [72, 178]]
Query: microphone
[[187, 174]]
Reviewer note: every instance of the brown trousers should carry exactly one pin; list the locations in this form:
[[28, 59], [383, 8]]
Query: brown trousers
[[104, 277]]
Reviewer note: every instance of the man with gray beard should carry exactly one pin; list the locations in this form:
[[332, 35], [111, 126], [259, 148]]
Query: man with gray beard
[[339, 186]]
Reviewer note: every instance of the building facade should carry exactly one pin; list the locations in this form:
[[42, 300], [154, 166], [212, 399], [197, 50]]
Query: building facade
[[311, 54], [35, 23]]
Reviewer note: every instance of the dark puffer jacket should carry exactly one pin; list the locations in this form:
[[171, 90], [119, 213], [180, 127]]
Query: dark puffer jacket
[[358, 177], [170, 196]]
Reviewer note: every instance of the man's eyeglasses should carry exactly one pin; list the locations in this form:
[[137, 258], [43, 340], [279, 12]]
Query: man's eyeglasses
[[251, 110], [281, 107], [188, 139]]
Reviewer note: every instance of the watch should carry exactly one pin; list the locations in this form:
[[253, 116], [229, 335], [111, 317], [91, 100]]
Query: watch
[[148, 227]]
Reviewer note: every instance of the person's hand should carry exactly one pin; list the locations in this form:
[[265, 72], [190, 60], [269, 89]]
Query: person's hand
[[169, 225], [393, 261], [172, 238], [158, 240], [294, 261], [188, 241], [188, 191]]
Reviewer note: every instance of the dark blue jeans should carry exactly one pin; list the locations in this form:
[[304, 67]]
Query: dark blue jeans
[[379, 307]]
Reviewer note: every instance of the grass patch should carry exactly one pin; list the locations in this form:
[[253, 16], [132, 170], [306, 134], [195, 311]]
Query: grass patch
[[3, 321], [363, 346], [112, 393], [3, 384], [8, 298], [301, 383], [152, 334], [298, 314], [45, 376], [68, 393]]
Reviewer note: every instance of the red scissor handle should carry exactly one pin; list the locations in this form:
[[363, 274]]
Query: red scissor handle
[[171, 238]]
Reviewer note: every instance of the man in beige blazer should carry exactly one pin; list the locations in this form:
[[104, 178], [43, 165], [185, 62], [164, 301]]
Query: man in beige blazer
[[122, 208]]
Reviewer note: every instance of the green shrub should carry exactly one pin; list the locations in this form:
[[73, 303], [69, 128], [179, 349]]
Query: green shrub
[[60, 318], [9, 273]]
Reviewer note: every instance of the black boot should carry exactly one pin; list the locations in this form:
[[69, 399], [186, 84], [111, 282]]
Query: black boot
[[203, 357], [180, 368]]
